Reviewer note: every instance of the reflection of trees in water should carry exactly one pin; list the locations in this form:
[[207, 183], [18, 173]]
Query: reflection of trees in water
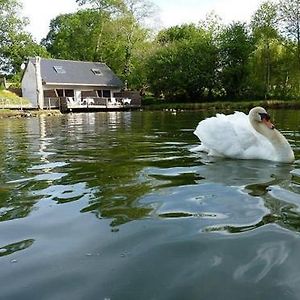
[[11, 248], [154, 141], [114, 169], [103, 160], [281, 195], [23, 143], [14, 151], [119, 204], [116, 166], [50, 157]]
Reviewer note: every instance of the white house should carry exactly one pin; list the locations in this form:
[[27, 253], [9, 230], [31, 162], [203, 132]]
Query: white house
[[47, 79]]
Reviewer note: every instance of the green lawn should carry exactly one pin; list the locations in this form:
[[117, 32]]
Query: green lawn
[[9, 98], [12, 105]]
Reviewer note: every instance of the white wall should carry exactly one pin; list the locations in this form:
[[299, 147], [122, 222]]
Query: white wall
[[29, 87]]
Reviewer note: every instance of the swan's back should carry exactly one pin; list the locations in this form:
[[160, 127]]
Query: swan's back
[[232, 136]]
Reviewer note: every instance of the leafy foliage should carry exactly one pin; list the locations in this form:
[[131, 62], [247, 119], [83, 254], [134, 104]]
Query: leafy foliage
[[15, 43], [234, 61], [235, 48], [190, 62], [185, 66]]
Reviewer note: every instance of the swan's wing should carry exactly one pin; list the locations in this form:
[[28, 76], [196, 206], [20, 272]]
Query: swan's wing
[[228, 135]]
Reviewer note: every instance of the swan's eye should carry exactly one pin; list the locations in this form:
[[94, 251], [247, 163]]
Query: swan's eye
[[264, 116]]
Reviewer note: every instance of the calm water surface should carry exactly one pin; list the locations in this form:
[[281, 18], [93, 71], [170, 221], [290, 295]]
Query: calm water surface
[[116, 206]]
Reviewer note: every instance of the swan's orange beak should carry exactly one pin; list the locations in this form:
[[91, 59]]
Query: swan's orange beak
[[265, 118], [268, 123]]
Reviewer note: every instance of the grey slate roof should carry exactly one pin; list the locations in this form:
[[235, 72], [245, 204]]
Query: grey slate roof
[[77, 73]]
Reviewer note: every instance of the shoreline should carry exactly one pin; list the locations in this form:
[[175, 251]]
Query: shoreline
[[167, 106], [27, 113], [224, 105]]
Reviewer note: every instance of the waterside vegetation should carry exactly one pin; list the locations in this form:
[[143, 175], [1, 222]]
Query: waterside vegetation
[[221, 105], [204, 62]]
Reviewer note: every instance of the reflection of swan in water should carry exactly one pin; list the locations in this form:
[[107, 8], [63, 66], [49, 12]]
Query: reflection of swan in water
[[241, 173], [259, 191], [243, 137]]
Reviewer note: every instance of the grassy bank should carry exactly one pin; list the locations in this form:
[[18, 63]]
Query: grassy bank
[[221, 105], [8, 98], [13, 106], [15, 113]]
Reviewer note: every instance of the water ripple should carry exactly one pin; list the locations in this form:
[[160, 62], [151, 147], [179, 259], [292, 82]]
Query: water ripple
[[64, 193], [268, 256]]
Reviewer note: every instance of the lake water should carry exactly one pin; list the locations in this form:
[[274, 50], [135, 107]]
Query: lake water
[[115, 206]]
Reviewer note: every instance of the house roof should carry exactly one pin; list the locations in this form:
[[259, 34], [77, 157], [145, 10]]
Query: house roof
[[57, 71]]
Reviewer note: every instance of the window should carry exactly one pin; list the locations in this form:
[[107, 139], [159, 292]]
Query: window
[[99, 92], [65, 93], [96, 72], [106, 93], [59, 69], [69, 93], [60, 93]]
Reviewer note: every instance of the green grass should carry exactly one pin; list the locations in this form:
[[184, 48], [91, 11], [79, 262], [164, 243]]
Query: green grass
[[9, 98], [11, 105]]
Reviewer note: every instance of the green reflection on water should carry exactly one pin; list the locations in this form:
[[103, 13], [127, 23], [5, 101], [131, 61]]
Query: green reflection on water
[[101, 161], [11, 248]]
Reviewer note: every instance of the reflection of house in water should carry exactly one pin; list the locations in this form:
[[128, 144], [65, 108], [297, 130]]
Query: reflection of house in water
[[75, 85], [43, 139], [86, 157]]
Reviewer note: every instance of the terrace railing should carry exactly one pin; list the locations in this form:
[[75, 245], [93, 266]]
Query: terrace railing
[[68, 103]]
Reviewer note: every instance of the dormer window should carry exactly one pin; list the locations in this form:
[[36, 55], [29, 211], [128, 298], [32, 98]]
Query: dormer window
[[96, 72], [59, 69]]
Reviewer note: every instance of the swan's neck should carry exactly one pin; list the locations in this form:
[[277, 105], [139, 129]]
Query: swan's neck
[[281, 145]]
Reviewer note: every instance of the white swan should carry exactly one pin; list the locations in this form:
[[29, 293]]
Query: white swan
[[243, 137]]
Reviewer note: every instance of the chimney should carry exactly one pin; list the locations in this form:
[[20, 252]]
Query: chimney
[[39, 84]]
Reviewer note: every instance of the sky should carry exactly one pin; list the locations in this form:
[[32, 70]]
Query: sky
[[171, 12]]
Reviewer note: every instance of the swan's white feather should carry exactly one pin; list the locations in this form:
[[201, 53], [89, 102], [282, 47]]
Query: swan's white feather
[[233, 136]]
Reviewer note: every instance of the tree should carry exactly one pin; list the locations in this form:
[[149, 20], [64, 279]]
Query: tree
[[105, 9], [184, 67], [15, 43], [235, 49], [264, 25], [136, 12], [107, 6], [73, 36], [176, 34], [129, 15], [290, 16], [290, 20], [212, 24]]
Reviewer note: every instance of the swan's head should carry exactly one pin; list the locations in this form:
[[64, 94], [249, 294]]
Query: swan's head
[[260, 115]]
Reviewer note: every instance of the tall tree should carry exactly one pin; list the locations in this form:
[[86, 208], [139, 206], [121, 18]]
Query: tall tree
[[290, 16], [15, 43], [129, 15], [184, 67], [136, 12], [235, 49], [264, 25], [73, 36], [105, 9], [290, 20]]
